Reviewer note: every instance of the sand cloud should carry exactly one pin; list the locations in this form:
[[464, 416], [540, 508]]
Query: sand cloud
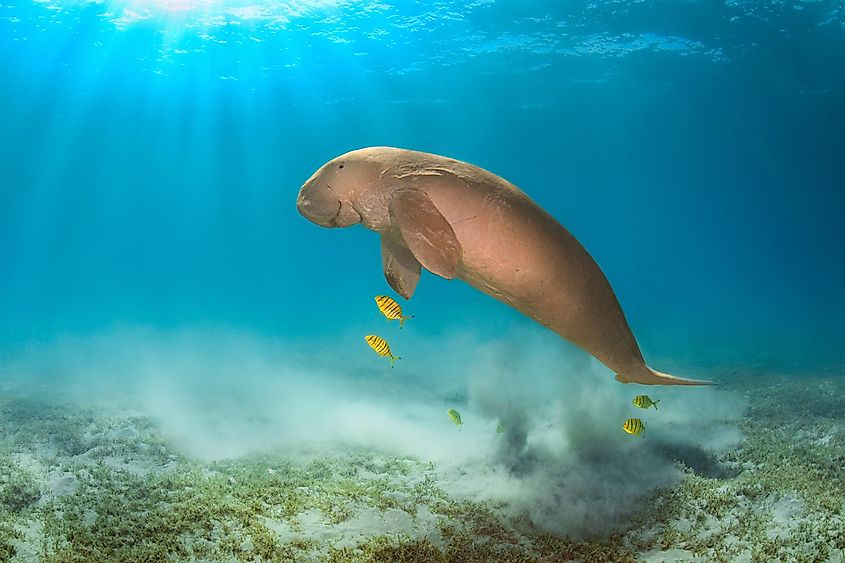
[[562, 462]]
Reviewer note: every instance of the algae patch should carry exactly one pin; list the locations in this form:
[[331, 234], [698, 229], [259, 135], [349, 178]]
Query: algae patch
[[77, 486]]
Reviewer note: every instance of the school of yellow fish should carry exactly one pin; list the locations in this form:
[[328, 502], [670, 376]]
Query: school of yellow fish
[[390, 309], [393, 312], [635, 426]]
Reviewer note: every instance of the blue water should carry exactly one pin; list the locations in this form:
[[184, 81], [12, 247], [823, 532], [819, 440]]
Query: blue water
[[151, 153]]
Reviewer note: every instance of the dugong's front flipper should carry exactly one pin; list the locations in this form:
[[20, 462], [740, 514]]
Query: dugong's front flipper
[[401, 269], [426, 231]]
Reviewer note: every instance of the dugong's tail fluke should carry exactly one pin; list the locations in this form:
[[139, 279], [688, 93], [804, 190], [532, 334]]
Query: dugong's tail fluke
[[648, 376]]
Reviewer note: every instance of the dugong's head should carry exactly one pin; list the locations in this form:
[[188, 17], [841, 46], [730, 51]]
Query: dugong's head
[[332, 197]]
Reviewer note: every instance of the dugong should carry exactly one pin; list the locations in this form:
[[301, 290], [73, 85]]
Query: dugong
[[460, 221]]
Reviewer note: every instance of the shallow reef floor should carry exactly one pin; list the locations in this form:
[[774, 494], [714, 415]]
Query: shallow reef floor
[[80, 485]]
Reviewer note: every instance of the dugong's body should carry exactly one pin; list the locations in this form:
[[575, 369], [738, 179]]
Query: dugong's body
[[461, 221]]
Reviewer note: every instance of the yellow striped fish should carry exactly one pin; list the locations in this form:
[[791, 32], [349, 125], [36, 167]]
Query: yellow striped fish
[[391, 309], [455, 416], [634, 426], [644, 401], [378, 344]]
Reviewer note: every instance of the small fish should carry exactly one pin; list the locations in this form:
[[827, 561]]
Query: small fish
[[391, 309], [500, 428], [644, 401], [455, 416], [378, 344], [634, 426]]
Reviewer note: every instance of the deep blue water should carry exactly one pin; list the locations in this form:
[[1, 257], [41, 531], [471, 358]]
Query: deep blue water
[[150, 159]]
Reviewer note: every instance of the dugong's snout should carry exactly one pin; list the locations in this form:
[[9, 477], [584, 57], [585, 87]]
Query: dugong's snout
[[321, 205]]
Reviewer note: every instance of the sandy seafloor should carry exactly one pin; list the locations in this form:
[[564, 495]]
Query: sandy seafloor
[[104, 483]]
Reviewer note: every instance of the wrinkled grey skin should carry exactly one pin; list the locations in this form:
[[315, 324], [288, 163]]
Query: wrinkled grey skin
[[461, 221]]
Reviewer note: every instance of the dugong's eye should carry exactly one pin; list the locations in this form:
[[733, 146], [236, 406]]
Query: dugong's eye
[[340, 166]]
